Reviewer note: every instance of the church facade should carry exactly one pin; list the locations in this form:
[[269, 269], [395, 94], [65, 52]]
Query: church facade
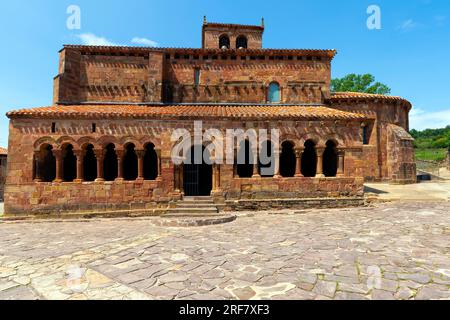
[[106, 142]]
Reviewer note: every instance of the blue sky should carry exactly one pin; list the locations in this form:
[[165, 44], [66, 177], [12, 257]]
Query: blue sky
[[410, 53]]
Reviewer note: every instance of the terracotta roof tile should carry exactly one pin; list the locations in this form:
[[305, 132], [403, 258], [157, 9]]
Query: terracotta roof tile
[[256, 112], [3, 152], [365, 96], [144, 50]]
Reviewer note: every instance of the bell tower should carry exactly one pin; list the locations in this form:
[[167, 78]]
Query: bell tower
[[231, 36]]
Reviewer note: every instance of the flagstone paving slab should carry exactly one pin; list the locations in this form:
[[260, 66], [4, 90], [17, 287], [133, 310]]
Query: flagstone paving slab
[[398, 250]]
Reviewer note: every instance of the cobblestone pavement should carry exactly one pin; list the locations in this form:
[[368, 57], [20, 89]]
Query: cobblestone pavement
[[390, 251]]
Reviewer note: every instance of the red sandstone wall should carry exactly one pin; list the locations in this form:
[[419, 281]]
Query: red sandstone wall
[[400, 156], [382, 160], [67, 82], [2, 176], [301, 81], [23, 196], [106, 78], [162, 76]]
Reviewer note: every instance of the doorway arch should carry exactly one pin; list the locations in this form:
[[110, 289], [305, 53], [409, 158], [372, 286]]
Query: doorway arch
[[197, 175]]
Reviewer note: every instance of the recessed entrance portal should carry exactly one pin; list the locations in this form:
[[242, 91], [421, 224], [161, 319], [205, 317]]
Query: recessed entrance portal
[[197, 179]]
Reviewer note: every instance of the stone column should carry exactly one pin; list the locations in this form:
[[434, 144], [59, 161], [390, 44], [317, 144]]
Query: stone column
[[37, 166], [276, 158], [59, 163], [99, 155], [255, 164], [340, 170], [214, 176], [176, 178], [181, 179], [218, 185], [120, 155], [80, 157], [140, 154], [158, 154], [235, 164], [298, 162], [319, 153]]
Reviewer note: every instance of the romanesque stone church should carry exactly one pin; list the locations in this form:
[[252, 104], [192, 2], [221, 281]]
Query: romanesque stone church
[[105, 142]]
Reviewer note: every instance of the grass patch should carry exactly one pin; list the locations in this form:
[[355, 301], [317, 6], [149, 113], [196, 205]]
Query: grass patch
[[431, 154]]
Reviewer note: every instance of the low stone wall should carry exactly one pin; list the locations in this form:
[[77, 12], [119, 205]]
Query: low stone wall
[[277, 204], [56, 198], [151, 197], [295, 188]]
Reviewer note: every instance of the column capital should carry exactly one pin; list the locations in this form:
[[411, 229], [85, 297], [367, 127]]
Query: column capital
[[140, 153], [57, 153], [99, 154], [320, 150], [340, 151], [120, 153], [79, 153], [298, 152]]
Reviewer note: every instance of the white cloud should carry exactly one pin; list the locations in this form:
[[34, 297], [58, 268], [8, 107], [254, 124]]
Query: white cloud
[[144, 42], [408, 25], [91, 39], [421, 119]]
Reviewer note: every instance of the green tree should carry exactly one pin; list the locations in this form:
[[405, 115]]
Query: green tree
[[359, 83]]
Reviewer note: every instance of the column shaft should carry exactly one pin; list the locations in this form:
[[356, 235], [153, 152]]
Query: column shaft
[[140, 155], [80, 157], [59, 163], [158, 153], [99, 157], [298, 163], [37, 167], [319, 173], [119, 164], [340, 171]]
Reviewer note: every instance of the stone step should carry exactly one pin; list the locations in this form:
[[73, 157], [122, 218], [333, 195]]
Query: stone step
[[205, 211], [198, 199], [180, 221], [192, 215], [195, 205]]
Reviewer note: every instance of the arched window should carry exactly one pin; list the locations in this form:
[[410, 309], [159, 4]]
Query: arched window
[[224, 42], [309, 159], [89, 164], [150, 162], [287, 160], [110, 163], [365, 134], [130, 163], [330, 160], [241, 42], [266, 161], [69, 169], [245, 160], [274, 93], [47, 164]]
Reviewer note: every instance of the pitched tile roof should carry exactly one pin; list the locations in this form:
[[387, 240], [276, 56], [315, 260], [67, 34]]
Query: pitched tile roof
[[186, 111], [3, 152], [145, 50], [366, 96]]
